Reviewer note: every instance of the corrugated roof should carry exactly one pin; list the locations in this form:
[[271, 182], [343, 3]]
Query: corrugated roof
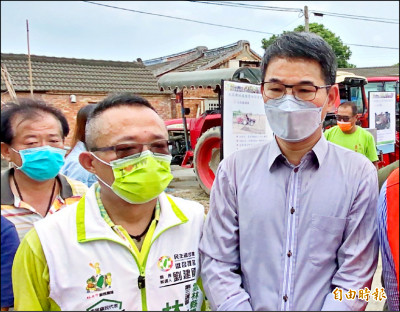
[[78, 75], [208, 78], [373, 71]]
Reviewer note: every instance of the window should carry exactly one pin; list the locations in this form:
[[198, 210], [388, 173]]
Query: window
[[211, 104]]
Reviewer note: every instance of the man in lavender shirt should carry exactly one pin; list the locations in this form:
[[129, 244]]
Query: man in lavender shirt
[[291, 224]]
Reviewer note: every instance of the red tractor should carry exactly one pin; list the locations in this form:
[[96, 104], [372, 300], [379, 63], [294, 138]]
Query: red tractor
[[196, 142]]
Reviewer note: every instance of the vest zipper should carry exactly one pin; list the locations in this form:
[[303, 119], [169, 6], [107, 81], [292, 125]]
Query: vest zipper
[[142, 277], [141, 281]]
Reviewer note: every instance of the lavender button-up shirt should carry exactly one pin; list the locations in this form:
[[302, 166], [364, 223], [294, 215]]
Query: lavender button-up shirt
[[283, 237]]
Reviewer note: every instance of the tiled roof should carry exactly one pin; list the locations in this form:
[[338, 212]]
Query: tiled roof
[[78, 75], [202, 60], [373, 71]]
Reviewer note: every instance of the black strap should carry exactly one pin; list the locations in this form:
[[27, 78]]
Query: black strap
[[139, 237]]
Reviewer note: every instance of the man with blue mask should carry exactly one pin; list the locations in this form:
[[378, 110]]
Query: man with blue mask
[[291, 224], [126, 245], [32, 140]]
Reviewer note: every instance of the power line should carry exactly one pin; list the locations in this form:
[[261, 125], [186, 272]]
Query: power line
[[369, 46], [218, 25], [179, 18], [364, 18], [262, 7]]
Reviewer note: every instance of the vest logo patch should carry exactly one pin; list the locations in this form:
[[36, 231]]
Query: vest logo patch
[[183, 271], [106, 305], [165, 263], [98, 281]]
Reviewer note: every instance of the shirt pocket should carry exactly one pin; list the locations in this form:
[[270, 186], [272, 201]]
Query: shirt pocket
[[326, 235]]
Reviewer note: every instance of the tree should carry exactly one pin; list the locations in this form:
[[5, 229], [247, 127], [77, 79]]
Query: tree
[[341, 50]]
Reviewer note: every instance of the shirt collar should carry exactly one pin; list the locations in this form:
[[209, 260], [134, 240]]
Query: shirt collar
[[103, 211], [7, 197], [319, 151], [274, 152]]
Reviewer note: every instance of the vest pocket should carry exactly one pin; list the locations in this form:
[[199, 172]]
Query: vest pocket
[[325, 238]]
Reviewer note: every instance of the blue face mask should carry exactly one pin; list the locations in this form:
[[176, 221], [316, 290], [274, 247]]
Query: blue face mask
[[41, 163]]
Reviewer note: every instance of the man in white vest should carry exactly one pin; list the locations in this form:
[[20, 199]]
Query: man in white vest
[[125, 245]]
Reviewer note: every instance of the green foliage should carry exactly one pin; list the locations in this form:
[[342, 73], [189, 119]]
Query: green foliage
[[341, 50]]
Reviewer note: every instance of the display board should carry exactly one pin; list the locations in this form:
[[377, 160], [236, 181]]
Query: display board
[[244, 123], [382, 117]]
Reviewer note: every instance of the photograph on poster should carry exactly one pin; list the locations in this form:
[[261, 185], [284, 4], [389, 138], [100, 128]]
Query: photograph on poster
[[244, 122], [382, 120], [382, 114]]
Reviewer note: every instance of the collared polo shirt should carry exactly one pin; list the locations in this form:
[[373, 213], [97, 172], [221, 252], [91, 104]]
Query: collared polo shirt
[[24, 215]]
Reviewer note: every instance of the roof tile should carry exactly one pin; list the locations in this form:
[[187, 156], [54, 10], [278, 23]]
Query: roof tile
[[70, 74]]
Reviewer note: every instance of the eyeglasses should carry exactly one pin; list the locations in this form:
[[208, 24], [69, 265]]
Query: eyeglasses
[[131, 148], [343, 118], [305, 92]]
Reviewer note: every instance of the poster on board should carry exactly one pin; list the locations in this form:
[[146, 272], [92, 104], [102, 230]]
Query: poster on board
[[382, 117], [244, 121]]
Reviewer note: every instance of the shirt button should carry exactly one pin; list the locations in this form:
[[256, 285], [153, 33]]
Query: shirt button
[[292, 210], [285, 298], [296, 169], [289, 254]]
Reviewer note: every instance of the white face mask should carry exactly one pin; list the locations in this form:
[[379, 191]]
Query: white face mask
[[291, 119]]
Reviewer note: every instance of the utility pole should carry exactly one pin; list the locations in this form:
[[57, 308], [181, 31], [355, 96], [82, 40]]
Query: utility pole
[[29, 59], [306, 27]]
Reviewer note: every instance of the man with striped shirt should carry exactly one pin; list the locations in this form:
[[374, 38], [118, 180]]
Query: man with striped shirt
[[388, 229], [32, 140]]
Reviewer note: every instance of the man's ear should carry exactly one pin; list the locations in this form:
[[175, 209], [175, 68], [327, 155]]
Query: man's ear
[[86, 161], [333, 96], [262, 93], [5, 151]]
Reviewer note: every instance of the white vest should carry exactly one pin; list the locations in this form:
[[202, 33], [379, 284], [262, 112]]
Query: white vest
[[92, 268]]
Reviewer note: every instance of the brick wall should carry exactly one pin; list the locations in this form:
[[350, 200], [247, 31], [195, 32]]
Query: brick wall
[[162, 103], [193, 99]]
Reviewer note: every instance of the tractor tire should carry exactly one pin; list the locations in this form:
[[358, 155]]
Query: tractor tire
[[207, 157]]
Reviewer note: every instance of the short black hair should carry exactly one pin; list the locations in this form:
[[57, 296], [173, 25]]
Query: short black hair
[[120, 99], [303, 45], [28, 108], [351, 104], [111, 101]]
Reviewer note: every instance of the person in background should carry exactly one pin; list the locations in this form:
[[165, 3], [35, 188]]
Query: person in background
[[9, 245], [291, 224], [126, 244], [351, 136], [32, 140], [388, 230], [384, 172], [72, 168]]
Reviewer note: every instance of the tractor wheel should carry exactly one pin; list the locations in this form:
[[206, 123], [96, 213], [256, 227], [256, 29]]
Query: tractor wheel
[[207, 157]]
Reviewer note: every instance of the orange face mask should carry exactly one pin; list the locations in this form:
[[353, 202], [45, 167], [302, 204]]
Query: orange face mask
[[345, 126]]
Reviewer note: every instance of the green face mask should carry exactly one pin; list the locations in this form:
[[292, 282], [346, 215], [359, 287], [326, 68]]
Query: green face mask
[[140, 179]]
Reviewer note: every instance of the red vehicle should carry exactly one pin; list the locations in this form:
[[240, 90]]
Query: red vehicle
[[196, 141]]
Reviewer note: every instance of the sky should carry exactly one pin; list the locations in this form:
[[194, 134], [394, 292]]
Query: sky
[[78, 29]]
